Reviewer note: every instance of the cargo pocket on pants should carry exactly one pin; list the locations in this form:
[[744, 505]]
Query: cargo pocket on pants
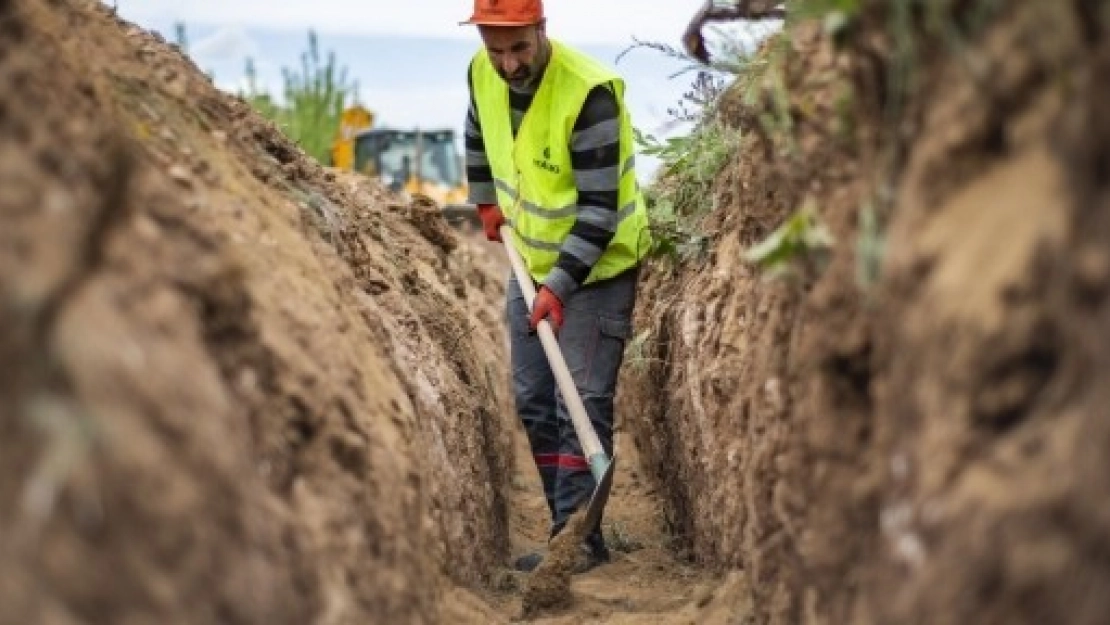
[[607, 354]]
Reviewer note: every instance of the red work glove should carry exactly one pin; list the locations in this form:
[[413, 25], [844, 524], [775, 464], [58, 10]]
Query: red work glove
[[547, 306], [492, 219]]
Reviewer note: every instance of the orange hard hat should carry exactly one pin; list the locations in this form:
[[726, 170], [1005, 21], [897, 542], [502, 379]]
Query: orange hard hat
[[506, 12]]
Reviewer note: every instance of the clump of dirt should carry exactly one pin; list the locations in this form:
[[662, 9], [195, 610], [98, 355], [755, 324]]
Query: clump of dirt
[[248, 387], [548, 588], [895, 438]]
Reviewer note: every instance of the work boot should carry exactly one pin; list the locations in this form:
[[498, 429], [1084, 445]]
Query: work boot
[[588, 559], [592, 556], [594, 553]]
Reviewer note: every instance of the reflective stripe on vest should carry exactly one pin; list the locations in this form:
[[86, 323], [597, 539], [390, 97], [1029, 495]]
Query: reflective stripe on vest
[[533, 173]]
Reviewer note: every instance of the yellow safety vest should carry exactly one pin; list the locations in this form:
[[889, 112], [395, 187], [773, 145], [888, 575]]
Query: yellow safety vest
[[533, 173]]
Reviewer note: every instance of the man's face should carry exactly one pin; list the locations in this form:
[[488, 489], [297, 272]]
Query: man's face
[[518, 52]]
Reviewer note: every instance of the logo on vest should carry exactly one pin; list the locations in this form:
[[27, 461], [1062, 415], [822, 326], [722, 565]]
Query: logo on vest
[[545, 162]]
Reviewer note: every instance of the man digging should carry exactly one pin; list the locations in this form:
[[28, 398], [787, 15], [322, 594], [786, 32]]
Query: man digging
[[549, 151]]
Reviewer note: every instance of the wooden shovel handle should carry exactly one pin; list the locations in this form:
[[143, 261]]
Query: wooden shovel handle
[[591, 446]]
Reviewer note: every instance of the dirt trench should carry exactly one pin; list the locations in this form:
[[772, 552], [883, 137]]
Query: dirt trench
[[236, 387]]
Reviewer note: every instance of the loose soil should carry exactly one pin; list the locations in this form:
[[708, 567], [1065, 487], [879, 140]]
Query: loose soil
[[237, 387]]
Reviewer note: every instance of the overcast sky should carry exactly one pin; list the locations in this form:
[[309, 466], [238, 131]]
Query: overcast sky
[[574, 21], [409, 58]]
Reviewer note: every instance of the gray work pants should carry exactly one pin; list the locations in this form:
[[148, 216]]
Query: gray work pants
[[597, 323]]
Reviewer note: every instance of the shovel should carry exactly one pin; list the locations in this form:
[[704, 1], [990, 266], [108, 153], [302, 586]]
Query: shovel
[[601, 466]]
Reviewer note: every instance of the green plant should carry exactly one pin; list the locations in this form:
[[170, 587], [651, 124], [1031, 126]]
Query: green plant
[[734, 54], [754, 68], [312, 100], [683, 191], [700, 101], [258, 98], [836, 16], [638, 352], [802, 237], [620, 539]]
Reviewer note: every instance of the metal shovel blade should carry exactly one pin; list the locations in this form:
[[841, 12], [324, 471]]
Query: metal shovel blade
[[600, 496]]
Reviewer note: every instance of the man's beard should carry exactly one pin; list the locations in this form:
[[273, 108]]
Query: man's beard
[[526, 76], [521, 79]]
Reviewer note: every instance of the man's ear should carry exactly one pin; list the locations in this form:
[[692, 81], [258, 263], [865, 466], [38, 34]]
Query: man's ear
[[541, 26]]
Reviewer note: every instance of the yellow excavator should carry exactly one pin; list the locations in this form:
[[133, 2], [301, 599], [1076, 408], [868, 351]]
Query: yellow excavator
[[425, 162]]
